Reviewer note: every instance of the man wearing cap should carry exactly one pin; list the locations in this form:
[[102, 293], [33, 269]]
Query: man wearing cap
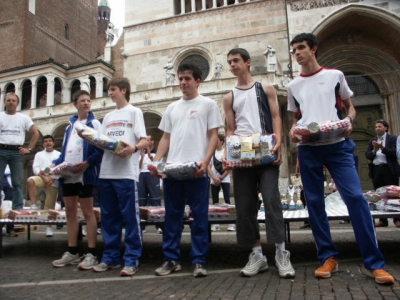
[[384, 167]]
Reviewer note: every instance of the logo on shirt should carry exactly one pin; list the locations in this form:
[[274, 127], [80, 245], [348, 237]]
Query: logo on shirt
[[193, 114]]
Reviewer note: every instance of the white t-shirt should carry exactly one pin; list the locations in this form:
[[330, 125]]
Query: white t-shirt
[[125, 124], [13, 128], [218, 155], [44, 159], [188, 122], [146, 161], [318, 97], [74, 151]]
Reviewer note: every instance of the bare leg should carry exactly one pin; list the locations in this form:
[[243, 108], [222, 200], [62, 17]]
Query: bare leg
[[71, 209], [91, 223], [32, 191]]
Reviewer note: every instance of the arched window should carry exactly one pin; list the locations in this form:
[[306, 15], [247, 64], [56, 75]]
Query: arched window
[[200, 62], [361, 85], [66, 32]]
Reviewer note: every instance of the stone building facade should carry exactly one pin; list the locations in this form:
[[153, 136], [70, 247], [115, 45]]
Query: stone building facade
[[358, 37]]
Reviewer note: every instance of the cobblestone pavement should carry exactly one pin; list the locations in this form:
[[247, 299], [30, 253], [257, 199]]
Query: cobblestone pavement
[[26, 271]]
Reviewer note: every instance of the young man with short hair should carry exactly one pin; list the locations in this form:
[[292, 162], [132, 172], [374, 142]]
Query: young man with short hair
[[117, 185], [43, 160], [80, 187], [190, 128], [317, 95], [252, 108]]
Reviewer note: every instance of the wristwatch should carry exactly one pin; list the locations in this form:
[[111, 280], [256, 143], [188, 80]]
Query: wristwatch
[[30, 149], [136, 149]]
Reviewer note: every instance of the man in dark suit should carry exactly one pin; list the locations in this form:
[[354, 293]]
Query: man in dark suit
[[384, 170]]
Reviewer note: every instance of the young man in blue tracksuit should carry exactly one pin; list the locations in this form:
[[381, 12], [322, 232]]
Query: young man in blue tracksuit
[[79, 187], [117, 185]]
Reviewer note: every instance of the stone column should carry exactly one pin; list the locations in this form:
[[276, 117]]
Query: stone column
[[66, 92], [2, 94], [99, 86], [193, 2], [183, 7], [33, 95], [50, 90], [203, 4], [225, 2], [18, 91], [236, 1], [214, 3]]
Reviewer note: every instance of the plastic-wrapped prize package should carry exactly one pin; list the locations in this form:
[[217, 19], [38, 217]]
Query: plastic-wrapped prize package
[[98, 139], [64, 169], [248, 151], [177, 171], [322, 131], [389, 191]]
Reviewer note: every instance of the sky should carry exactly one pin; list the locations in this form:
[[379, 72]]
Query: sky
[[117, 12]]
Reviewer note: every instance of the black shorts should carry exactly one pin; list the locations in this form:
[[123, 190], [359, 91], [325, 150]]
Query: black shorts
[[77, 189]]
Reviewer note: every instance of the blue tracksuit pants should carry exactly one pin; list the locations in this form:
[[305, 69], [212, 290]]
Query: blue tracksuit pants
[[119, 207], [177, 193], [339, 160]]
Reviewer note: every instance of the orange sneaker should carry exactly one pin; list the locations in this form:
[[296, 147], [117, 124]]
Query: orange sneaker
[[382, 277], [330, 266]]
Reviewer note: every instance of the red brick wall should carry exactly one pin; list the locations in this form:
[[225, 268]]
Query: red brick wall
[[37, 37], [117, 59]]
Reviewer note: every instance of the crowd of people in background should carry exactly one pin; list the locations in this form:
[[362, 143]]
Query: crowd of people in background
[[123, 182]]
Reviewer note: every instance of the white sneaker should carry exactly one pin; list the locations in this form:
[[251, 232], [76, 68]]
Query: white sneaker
[[159, 230], [231, 227], [101, 267], [282, 262], [84, 230], [49, 232], [98, 230], [215, 227], [128, 271], [88, 262], [257, 263], [66, 259], [34, 206]]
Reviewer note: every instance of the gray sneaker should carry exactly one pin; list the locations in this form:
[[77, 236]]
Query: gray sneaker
[[168, 267], [128, 271], [199, 270], [257, 263], [101, 267], [282, 262], [88, 262], [66, 259]]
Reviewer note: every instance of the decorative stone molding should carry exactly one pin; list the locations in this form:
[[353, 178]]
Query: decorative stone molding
[[306, 5]]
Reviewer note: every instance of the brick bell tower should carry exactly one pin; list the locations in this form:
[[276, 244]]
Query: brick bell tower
[[104, 19]]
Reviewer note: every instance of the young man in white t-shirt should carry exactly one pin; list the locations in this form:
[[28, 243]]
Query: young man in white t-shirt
[[219, 178], [317, 95], [190, 128], [43, 160], [80, 186], [117, 184]]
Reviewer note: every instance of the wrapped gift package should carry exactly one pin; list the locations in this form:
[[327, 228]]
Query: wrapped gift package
[[152, 213], [389, 191], [389, 205], [98, 139], [322, 131], [372, 196], [64, 169], [248, 151], [177, 171], [221, 212], [61, 216]]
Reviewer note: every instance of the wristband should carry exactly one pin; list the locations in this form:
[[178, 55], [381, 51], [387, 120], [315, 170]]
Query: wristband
[[351, 119], [136, 149]]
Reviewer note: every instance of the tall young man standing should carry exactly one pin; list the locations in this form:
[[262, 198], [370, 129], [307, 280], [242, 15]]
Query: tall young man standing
[[252, 108], [318, 94], [190, 128], [117, 185]]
